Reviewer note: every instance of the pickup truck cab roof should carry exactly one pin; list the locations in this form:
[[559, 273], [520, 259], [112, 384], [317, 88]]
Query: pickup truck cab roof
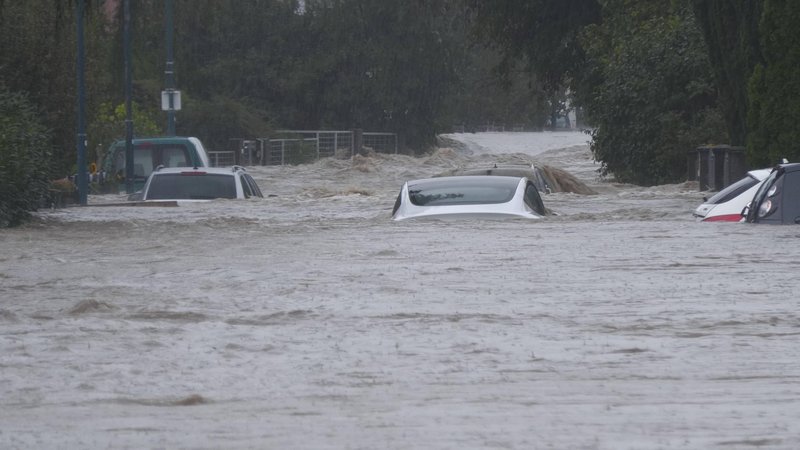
[[149, 153]]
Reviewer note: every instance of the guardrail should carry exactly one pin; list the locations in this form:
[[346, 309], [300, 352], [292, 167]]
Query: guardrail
[[301, 146]]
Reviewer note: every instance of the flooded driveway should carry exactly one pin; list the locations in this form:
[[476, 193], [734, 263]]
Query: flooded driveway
[[309, 319]]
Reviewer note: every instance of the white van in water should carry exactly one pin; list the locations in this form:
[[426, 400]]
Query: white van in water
[[149, 153]]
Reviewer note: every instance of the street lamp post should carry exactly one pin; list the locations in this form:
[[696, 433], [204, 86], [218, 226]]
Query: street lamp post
[[82, 175], [126, 37], [169, 71]]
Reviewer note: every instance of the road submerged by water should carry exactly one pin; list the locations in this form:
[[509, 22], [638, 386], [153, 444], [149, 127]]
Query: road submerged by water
[[309, 319]]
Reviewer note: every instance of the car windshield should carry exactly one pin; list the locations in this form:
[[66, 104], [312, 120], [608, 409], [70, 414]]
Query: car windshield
[[733, 191], [454, 191], [191, 186]]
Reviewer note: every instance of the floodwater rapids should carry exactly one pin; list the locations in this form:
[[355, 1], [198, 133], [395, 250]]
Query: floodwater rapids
[[309, 319]]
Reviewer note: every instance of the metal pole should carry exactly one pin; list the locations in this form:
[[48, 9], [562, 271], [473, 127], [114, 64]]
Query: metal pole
[[335, 142], [83, 182], [126, 37], [169, 72]]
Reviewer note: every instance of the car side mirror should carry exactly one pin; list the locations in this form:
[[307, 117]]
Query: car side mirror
[[135, 197], [746, 210]]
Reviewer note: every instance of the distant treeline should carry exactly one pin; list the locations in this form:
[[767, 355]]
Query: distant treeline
[[652, 78], [245, 68]]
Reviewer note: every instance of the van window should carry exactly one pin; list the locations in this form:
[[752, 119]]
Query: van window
[[142, 162], [174, 157], [146, 157]]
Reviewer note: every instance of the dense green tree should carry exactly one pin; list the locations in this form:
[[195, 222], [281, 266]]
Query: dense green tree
[[386, 65], [546, 36], [730, 28], [490, 92], [24, 158], [775, 87], [37, 57], [656, 98], [108, 125], [544, 32], [227, 60]]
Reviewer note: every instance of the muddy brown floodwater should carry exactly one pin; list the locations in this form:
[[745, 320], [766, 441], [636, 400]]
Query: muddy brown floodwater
[[310, 320]]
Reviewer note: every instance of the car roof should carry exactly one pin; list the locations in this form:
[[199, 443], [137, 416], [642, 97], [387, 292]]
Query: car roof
[[476, 180], [790, 167], [158, 140], [212, 170], [507, 171]]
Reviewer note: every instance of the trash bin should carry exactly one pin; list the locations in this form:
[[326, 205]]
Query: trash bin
[[717, 166]]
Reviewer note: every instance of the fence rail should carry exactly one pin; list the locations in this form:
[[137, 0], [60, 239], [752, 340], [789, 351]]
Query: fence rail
[[300, 146], [222, 159]]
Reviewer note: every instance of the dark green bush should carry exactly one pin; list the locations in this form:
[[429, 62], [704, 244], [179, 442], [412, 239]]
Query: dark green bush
[[656, 99], [24, 159]]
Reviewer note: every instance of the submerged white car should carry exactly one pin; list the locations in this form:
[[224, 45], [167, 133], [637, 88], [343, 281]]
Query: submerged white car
[[477, 196], [727, 204], [198, 184]]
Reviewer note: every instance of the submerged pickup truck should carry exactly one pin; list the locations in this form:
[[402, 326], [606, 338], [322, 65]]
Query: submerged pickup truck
[[149, 153]]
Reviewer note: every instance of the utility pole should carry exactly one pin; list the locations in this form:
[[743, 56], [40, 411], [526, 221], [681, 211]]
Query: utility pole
[[126, 38], [82, 175], [169, 71]]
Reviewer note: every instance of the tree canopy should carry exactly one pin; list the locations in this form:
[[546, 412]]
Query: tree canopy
[[654, 98], [24, 153], [774, 89]]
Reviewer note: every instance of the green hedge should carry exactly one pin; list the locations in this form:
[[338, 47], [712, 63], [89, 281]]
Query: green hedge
[[24, 159]]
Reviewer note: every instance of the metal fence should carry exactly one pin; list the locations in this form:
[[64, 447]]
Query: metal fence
[[300, 146], [222, 159], [380, 142]]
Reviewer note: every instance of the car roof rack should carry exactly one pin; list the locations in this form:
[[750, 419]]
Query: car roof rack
[[499, 166]]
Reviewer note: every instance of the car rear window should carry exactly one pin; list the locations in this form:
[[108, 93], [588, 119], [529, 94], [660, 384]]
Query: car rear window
[[191, 186], [455, 191], [733, 191]]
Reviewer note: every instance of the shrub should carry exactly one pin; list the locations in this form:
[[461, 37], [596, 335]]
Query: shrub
[[655, 100], [24, 159]]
